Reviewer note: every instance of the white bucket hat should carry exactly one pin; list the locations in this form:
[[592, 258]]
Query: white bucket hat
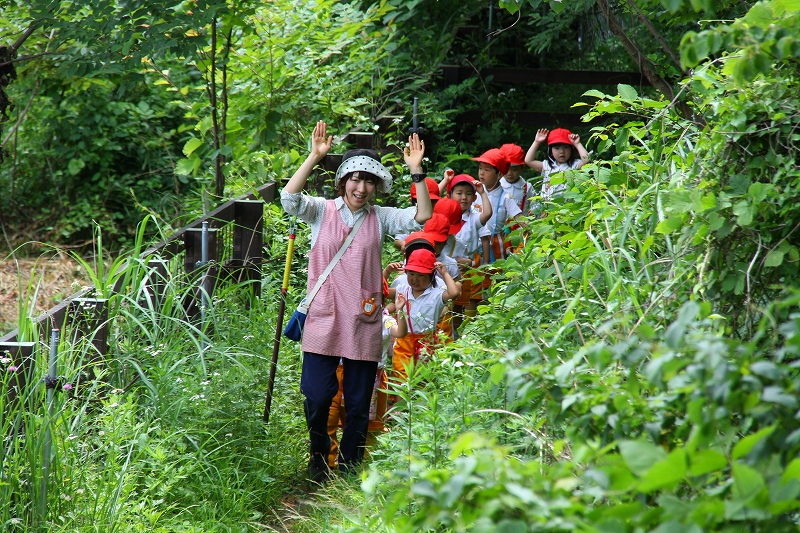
[[362, 163]]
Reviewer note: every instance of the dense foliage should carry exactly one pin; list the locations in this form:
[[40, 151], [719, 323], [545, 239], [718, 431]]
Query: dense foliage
[[636, 368]]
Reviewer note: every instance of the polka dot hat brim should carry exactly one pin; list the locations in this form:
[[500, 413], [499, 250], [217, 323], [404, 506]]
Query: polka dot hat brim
[[363, 163]]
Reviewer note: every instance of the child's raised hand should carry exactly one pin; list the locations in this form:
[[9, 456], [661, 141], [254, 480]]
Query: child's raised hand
[[440, 268], [394, 267], [448, 175], [478, 187], [413, 153], [541, 135], [400, 301], [575, 138], [320, 144]]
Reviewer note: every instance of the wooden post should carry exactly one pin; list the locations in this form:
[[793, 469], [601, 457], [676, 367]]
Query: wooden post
[[248, 236], [193, 244], [88, 319], [19, 363]]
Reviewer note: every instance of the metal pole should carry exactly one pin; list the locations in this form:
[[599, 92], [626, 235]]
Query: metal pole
[[203, 288], [279, 327], [415, 119], [50, 382]]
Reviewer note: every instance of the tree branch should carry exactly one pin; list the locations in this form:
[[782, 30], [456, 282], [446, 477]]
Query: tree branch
[[646, 66], [664, 45]]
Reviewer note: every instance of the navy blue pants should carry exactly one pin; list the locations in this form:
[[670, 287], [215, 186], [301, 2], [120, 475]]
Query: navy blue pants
[[319, 385]]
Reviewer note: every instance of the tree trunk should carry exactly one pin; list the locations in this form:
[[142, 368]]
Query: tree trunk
[[219, 177], [645, 65]]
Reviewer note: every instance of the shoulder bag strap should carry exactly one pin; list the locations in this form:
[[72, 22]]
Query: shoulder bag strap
[[335, 260]]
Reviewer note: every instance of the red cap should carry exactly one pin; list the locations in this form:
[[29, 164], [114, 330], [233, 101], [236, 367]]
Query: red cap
[[559, 136], [452, 210], [461, 178], [421, 261], [433, 189], [418, 240], [438, 227], [515, 155], [496, 158]]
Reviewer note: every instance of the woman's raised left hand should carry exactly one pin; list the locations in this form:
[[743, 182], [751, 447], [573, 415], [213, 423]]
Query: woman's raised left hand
[[413, 154]]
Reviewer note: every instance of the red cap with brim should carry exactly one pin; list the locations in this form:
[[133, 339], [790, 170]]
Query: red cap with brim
[[461, 178], [433, 189], [422, 261], [559, 136], [452, 210], [496, 158], [515, 155], [438, 227]]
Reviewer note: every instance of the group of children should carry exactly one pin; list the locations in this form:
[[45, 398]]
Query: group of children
[[470, 222]]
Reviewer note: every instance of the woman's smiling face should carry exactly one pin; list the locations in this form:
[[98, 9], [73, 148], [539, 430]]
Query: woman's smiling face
[[358, 190]]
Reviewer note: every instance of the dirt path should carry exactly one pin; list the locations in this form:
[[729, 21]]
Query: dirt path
[[38, 283]]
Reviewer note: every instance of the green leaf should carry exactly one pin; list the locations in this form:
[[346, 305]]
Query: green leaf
[[774, 258], [747, 483], [75, 165], [626, 92], [777, 395], [781, 6], [669, 225], [191, 145], [677, 330], [666, 472], [640, 455], [706, 461], [672, 5], [595, 93], [744, 446]]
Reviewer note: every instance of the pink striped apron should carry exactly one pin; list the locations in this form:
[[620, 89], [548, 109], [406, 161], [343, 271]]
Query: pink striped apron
[[336, 323]]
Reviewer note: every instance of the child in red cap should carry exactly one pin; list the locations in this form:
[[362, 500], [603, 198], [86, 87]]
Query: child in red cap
[[494, 164], [433, 191], [392, 329], [564, 152], [425, 299], [466, 250], [512, 182]]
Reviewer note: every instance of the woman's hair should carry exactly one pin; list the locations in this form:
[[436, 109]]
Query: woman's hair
[[573, 155], [372, 178]]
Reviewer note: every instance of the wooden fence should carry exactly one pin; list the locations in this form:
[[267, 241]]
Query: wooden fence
[[234, 249]]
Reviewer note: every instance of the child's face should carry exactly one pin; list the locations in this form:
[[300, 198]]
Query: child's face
[[438, 247], [561, 152], [513, 174], [488, 175], [464, 194], [418, 281]]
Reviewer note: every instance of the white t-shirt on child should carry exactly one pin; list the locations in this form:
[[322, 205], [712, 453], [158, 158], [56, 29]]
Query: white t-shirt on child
[[519, 190], [503, 208], [468, 241], [549, 192], [426, 309]]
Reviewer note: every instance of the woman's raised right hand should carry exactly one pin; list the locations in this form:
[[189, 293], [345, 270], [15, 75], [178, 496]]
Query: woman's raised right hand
[[320, 142]]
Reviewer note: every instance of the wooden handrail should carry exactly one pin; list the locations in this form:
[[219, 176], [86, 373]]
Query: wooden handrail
[[172, 245]]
